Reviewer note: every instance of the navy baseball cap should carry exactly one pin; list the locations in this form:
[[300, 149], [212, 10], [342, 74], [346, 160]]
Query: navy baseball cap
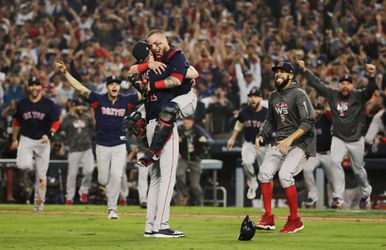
[[111, 79], [286, 66], [254, 91], [34, 81], [76, 102], [140, 51], [346, 77], [317, 106]]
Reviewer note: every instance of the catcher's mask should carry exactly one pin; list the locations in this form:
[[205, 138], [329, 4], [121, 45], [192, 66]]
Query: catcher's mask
[[247, 230]]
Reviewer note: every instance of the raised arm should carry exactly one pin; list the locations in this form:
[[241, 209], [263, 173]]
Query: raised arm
[[73, 82], [367, 92], [314, 81]]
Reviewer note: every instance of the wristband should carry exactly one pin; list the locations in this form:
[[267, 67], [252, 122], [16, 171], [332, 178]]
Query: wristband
[[143, 67]]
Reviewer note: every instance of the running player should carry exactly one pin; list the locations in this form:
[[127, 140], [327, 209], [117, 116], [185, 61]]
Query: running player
[[111, 151], [250, 118], [292, 116], [322, 158], [77, 127], [347, 106], [36, 118]]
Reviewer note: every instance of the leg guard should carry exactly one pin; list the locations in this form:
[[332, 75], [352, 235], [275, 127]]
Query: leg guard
[[164, 128]]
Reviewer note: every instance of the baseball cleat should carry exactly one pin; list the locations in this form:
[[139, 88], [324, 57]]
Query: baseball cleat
[[148, 234], [310, 202], [267, 222], [143, 204], [251, 194], [112, 215], [122, 202], [69, 202], [38, 205], [84, 198], [336, 203], [168, 233], [293, 225], [364, 203]]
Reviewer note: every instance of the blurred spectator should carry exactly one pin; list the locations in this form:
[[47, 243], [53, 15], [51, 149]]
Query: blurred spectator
[[192, 147], [219, 113]]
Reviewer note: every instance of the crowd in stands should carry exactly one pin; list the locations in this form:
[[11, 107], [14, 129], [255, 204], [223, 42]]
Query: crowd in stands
[[232, 44]]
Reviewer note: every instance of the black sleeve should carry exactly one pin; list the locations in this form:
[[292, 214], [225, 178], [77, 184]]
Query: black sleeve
[[367, 92], [317, 84]]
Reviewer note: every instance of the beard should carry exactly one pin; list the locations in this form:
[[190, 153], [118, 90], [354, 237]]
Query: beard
[[79, 112], [280, 83]]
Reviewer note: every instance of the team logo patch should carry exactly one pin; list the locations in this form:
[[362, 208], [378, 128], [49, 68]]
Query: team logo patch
[[342, 107], [281, 109]]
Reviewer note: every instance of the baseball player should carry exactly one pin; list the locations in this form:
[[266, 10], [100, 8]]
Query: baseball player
[[36, 118], [78, 127], [161, 112], [347, 105], [185, 100], [250, 118], [111, 151], [322, 158], [292, 116]]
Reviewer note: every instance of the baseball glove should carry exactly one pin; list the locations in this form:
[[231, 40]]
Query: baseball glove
[[135, 125], [139, 84]]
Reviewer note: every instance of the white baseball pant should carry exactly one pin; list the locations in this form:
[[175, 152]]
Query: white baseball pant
[[28, 150], [375, 127], [288, 165], [124, 185], [75, 159], [143, 183], [162, 181], [110, 163], [250, 155], [356, 152], [309, 167], [187, 104]]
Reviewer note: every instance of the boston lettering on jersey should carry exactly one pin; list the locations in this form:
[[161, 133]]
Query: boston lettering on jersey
[[109, 117], [252, 121], [33, 115], [36, 118], [113, 111]]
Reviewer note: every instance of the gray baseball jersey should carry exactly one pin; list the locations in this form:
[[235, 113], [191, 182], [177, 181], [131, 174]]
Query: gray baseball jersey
[[288, 110], [347, 120], [77, 131], [348, 130]]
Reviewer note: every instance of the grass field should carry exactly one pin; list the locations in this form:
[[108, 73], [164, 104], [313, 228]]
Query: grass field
[[86, 227]]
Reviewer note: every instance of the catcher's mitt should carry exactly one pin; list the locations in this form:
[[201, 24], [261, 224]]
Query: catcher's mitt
[[135, 125], [141, 85]]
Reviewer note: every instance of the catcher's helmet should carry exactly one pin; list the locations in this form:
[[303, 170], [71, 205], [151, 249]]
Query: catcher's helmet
[[247, 230]]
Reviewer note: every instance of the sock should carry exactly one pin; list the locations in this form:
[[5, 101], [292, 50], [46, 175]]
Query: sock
[[266, 191], [292, 199]]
